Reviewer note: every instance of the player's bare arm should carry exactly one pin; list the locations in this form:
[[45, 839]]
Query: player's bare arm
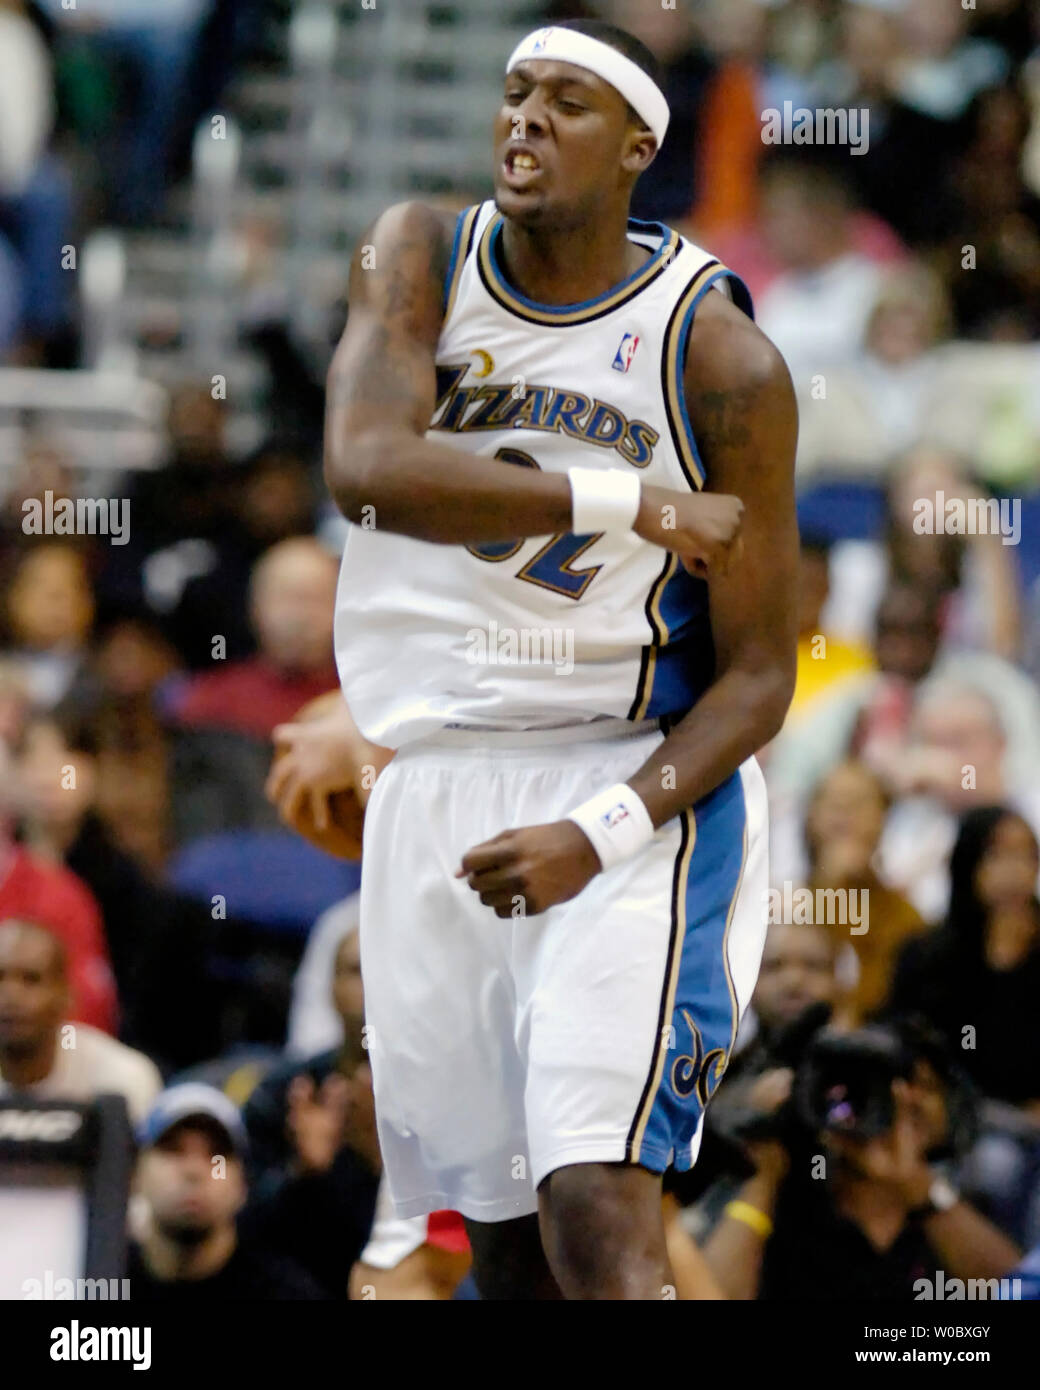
[[382, 394], [741, 402]]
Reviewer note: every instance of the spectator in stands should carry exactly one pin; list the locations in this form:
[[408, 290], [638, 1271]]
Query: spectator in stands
[[224, 718], [191, 1175], [873, 707], [973, 574], [57, 770], [990, 1152], [843, 826], [132, 658], [753, 70], [997, 214], [115, 707], [797, 983], [192, 497], [274, 500], [889, 396], [49, 613], [959, 754], [977, 977], [156, 45], [872, 716], [35, 891], [943, 67], [315, 1023], [292, 598], [874, 1228], [901, 173], [181, 512], [40, 465], [670, 188], [824, 659], [817, 309], [35, 194], [315, 1161], [41, 1053]]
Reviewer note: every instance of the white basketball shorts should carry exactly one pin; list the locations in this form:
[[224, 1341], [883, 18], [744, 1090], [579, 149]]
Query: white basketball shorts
[[594, 1032]]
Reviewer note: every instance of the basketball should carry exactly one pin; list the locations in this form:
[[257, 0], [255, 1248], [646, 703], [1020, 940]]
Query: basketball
[[342, 836]]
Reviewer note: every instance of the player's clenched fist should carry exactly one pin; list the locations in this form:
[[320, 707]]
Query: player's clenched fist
[[701, 527], [522, 872]]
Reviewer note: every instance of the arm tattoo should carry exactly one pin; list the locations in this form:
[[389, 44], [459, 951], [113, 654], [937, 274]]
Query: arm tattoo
[[720, 418], [385, 374]]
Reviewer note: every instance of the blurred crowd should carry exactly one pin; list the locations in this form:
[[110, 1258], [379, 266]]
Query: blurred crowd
[[209, 959], [98, 102]]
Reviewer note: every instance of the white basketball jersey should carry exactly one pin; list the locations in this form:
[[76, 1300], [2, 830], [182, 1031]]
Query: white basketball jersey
[[552, 630]]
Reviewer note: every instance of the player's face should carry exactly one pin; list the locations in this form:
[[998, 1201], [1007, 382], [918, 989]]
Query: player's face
[[564, 146]]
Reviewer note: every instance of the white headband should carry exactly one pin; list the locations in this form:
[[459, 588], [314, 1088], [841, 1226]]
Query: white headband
[[568, 46]]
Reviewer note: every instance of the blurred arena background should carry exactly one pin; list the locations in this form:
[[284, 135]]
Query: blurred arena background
[[182, 183]]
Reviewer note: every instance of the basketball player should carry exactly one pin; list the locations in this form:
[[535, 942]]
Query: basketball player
[[544, 609]]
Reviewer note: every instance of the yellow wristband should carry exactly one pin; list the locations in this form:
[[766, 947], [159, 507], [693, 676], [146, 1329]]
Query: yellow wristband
[[759, 1222]]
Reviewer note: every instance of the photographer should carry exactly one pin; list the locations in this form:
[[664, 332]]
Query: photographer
[[797, 990], [846, 1200]]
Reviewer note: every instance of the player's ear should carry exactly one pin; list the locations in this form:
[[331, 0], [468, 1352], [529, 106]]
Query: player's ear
[[639, 151]]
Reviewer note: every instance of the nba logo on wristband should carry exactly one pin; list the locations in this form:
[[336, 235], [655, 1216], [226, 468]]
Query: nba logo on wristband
[[616, 823]]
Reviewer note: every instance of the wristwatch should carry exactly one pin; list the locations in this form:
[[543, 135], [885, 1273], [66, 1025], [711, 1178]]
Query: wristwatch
[[942, 1195]]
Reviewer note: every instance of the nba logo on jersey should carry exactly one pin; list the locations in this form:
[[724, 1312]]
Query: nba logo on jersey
[[625, 353], [615, 815]]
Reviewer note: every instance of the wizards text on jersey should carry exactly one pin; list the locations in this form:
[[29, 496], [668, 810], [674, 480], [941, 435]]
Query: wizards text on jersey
[[461, 409]]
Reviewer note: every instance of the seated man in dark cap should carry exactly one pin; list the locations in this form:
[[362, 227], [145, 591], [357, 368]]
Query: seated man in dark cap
[[191, 1176]]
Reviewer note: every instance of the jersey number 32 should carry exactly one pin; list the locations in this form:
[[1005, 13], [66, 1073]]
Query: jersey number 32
[[551, 568]]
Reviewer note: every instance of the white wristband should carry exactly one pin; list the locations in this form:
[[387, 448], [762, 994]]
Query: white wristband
[[617, 823], [603, 500]]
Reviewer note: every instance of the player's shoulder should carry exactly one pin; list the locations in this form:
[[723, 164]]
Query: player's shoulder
[[726, 346], [403, 259], [426, 229]]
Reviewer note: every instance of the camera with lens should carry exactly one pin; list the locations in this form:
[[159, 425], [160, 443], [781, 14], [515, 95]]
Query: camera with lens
[[844, 1084]]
